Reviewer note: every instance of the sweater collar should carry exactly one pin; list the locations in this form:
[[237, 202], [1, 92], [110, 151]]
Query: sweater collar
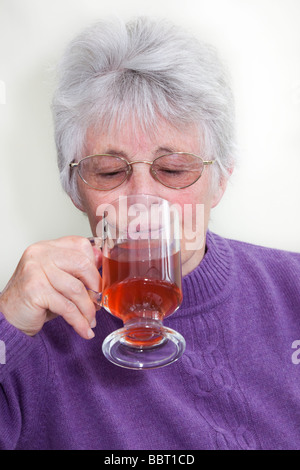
[[209, 283]]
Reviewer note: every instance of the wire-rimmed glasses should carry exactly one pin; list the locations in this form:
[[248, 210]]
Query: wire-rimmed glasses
[[175, 170]]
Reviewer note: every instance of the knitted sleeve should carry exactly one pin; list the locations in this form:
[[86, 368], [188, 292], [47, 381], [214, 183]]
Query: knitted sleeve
[[23, 374]]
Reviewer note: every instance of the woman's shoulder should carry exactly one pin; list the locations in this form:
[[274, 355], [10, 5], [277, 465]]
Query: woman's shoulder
[[267, 253], [283, 265]]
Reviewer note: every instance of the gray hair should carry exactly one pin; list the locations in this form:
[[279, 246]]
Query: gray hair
[[138, 71]]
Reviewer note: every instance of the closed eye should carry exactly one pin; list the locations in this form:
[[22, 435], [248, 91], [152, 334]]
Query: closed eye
[[110, 173], [172, 172]]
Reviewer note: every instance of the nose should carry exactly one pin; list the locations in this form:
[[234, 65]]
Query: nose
[[140, 180]]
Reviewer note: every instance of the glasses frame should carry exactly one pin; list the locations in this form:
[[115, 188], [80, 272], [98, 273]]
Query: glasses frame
[[129, 171]]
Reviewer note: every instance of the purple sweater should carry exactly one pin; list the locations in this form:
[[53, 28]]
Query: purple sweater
[[237, 385]]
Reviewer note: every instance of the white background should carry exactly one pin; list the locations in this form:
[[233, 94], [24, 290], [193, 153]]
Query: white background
[[259, 40]]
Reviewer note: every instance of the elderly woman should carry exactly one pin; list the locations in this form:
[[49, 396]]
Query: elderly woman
[[137, 92]]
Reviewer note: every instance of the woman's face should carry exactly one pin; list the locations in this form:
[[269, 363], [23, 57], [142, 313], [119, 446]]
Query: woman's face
[[195, 202]]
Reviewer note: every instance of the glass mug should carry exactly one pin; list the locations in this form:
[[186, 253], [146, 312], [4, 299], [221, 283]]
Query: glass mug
[[141, 280]]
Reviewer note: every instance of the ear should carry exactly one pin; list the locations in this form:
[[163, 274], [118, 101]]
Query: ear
[[221, 187]]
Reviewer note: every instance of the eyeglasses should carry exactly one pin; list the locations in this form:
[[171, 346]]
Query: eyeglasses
[[174, 170]]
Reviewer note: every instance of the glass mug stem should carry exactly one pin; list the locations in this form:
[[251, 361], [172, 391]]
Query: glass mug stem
[[143, 333]]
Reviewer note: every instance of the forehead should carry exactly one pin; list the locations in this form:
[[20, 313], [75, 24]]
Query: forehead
[[134, 140]]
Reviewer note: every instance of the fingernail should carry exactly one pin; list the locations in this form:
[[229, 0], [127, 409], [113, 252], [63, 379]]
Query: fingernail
[[90, 334], [93, 323]]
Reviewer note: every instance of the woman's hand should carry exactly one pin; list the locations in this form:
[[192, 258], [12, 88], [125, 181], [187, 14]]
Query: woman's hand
[[49, 281]]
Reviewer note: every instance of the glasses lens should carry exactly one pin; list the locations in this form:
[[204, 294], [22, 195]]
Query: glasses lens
[[177, 170], [103, 171]]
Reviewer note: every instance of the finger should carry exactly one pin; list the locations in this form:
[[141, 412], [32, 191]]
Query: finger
[[89, 247], [80, 244], [74, 290], [78, 265], [98, 257], [61, 306]]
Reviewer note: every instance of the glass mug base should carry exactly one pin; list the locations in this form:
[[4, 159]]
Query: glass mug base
[[143, 345]]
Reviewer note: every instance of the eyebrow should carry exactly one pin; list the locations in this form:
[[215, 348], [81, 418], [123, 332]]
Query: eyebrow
[[112, 151], [166, 150], [121, 153]]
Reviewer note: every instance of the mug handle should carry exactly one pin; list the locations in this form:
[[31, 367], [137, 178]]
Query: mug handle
[[96, 297]]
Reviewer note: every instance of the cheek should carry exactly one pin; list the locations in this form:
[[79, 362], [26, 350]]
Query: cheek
[[194, 210], [90, 201], [192, 201]]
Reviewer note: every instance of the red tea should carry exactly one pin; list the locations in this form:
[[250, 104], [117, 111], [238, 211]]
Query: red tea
[[142, 289], [142, 298]]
